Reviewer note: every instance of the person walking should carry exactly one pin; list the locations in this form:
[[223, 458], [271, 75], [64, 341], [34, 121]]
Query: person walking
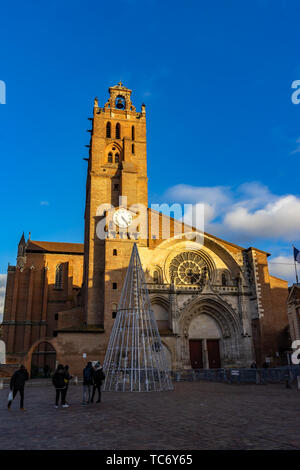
[[68, 377], [17, 384], [87, 382], [59, 383], [98, 377]]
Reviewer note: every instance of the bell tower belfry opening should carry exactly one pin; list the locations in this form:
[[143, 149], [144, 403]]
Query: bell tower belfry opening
[[118, 155], [117, 166]]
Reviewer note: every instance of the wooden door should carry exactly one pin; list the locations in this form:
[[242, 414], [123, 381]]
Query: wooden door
[[196, 353], [213, 352]]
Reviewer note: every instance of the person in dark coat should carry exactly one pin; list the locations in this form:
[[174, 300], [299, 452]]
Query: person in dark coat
[[67, 380], [98, 377], [88, 372], [17, 384], [59, 381]]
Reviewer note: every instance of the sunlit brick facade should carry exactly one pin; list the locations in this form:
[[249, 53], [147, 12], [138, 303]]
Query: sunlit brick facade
[[215, 302]]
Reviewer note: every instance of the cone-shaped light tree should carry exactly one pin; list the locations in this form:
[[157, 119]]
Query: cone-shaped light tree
[[135, 360]]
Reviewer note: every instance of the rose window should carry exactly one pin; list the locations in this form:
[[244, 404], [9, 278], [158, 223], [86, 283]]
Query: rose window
[[189, 272], [188, 268]]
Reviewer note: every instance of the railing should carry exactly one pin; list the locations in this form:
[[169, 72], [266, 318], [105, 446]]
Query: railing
[[235, 375]]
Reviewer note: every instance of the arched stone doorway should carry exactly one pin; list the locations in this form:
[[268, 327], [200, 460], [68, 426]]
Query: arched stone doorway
[[43, 360], [211, 335], [205, 339]]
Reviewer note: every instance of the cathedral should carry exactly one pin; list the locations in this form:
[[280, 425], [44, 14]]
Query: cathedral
[[215, 302]]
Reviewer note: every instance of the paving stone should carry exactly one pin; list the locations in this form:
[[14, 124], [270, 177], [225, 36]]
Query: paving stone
[[197, 415]]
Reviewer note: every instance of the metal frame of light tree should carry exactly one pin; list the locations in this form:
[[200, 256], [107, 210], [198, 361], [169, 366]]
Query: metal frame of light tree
[[135, 360]]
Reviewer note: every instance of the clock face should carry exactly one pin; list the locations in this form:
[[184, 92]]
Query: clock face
[[122, 218]]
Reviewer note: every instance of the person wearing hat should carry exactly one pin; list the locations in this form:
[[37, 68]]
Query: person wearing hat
[[98, 377]]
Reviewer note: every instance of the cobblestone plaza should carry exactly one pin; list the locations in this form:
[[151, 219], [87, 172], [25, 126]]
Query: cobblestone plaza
[[196, 415]]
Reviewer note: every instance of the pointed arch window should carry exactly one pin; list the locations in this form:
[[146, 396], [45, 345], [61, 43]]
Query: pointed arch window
[[108, 130], [59, 276], [118, 131], [132, 133], [224, 280], [110, 157], [117, 158]]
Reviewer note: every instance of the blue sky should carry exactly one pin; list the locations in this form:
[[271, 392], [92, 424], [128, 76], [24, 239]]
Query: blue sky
[[216, 79]]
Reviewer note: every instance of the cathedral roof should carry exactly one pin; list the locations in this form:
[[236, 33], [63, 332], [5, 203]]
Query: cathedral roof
[[55, 247], [234, 245]]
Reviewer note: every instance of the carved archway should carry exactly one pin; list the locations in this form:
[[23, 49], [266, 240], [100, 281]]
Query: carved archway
[[222, 313], [227, 321], [160, 300], [43, 359], [28, 358]]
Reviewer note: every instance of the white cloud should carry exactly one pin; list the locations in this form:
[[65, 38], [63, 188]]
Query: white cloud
[[215, 199], [44, 203], [253, 195], [283, 267], [3, 278], [278, 219], [215, 196], [248, 212]]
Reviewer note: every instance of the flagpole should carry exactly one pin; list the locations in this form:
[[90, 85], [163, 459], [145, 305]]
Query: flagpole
[[297, 280]]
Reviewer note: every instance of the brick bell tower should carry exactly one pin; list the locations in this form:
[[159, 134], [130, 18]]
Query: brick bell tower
[[117, 166]]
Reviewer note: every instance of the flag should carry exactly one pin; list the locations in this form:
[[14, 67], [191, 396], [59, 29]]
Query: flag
[[296, 255]]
